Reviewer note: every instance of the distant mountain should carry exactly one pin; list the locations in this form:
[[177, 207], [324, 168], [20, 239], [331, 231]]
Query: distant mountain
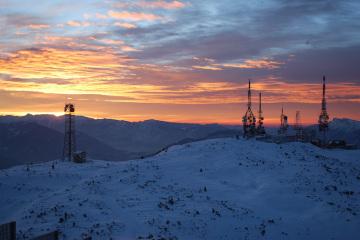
[[121, 140], [340, 129], [26, 142], [344, 124]]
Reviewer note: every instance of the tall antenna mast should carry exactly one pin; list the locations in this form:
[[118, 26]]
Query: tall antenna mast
[[260, 127], [69, 139], [249, 120], [283, 122], [298, 127], [260, 110], [282, 117], [323, 105], [249, 96], [324, 116]]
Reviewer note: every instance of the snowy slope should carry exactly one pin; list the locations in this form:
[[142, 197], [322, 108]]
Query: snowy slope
[[213, 189], [347, 129]]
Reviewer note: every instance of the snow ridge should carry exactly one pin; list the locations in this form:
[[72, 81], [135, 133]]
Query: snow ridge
[[213, 189]]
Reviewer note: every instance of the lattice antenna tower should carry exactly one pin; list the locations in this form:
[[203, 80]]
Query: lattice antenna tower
[[298, 127], [260, 127], [283, 122], [69, 138], [249, 120], [324, 116]]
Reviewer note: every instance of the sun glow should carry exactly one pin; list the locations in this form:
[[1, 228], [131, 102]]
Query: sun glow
[[14, 113]]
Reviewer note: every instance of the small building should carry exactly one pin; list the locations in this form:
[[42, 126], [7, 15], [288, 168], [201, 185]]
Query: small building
[[79, 157]]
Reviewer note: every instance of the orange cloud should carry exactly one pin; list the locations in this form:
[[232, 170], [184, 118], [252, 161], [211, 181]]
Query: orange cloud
[[125, 25], [111, 41], [57, 71], [207, 68], [78, 24], [255, 64], [105, 72], [56, 38], [38, 26], [162, 4], [128, 49], [134, 16], [101, 16], [49, 41], [106, 85], [51, 63]]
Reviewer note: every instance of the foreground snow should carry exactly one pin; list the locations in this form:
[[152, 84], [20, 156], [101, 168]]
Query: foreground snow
[[215, 189]]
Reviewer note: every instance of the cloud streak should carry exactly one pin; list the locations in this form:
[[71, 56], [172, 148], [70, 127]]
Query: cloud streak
[[73, 23], [125, 25], [134, 16], [39, 26], [246, 64], [159, 4]]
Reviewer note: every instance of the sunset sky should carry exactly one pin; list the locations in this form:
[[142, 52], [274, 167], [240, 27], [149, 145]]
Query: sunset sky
[[181, 61]]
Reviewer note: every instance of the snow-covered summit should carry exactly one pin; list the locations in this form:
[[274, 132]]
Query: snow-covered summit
[[339, 129], [213, 189], [345, 124]]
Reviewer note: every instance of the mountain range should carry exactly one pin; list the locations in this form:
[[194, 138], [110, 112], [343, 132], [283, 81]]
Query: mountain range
[[40, 137], [341, 129]]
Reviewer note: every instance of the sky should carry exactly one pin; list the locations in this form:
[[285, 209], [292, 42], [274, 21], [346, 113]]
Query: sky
[[180, 61]]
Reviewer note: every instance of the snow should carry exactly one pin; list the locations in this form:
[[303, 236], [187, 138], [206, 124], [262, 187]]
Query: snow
[[345, 124], [213, 189]]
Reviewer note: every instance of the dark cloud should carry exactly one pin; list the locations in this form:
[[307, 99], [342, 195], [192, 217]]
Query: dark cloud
[[21, 20], [338, 64], [239, 30]]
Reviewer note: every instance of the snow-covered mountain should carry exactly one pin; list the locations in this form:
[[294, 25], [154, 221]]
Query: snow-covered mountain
[[341, 129], [213, 189], [116, 140], [346, 129]]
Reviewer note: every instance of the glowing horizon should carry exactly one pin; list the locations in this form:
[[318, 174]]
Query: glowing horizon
[[269, 122]]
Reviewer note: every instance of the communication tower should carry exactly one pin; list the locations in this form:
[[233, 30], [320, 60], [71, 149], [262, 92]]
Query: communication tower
[[69, 139], [324, 116], [260, 128], [249, 119], [298, 127], [283, 122]]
